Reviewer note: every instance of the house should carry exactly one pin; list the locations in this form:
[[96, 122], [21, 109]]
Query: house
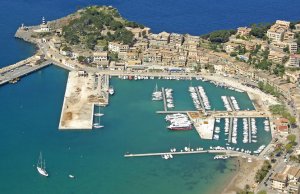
[[286, 181], [100, 57], [288, 35], [243, 31], [292, 76], [278, 30], [139, 33], [293, 47], [279, 181], [282, 125], [176, 40], [276, 57], [117, 47], [157, 40], [294, 60]]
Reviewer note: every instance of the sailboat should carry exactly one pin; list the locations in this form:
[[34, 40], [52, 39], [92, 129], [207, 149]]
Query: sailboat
[[41, 166], [97, 125], [156, 95]]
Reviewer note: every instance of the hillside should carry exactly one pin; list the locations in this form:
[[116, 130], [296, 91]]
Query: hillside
[[98, 25]]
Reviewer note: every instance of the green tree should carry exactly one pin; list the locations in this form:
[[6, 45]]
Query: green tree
[[259, 30], [81, 59], [220, 36], [291, 137]]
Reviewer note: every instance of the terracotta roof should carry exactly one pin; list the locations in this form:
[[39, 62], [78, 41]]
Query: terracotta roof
[[282, 128]]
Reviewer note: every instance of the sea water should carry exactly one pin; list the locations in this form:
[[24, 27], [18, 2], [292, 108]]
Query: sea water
[[30, 109]]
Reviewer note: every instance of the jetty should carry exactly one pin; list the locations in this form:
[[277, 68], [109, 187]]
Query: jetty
[[230, 103], [200, 99], [164, 99], [230, 129], [249, 129], [225, 152], [83, 92]]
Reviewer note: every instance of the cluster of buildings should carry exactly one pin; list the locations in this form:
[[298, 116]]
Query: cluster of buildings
[[283, 37], [160, 50], [286, 181], [282, 44]]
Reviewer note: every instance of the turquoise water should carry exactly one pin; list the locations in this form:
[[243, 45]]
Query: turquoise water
[[96, 157], [30, 110]]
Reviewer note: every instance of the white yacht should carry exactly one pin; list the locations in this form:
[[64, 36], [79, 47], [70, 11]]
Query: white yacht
[[41, 166], [111, 90]]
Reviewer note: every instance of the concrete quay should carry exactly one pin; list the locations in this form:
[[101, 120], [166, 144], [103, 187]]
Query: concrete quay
[[83, 92], [225, 152]]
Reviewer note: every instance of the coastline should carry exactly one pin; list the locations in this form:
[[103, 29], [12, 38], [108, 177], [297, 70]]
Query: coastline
[[243, 175]]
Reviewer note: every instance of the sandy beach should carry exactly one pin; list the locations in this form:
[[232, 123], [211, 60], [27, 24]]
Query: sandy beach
[[245, 174]]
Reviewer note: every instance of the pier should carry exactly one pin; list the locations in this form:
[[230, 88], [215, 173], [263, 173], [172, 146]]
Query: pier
[[230, 103], [83, 92], [249, 129], [225, 152], [200, 99], [230, 129], [165, 100]]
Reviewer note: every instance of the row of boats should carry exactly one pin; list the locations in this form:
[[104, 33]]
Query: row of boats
[[143, 77], [227, 104], [223, 85], [195, 98], [179, 121], [157, 94], [234, 131], [204, 98], [231, 149], [267, 125], [97, 120], [223, 157], [169, 97], [249, 129]]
